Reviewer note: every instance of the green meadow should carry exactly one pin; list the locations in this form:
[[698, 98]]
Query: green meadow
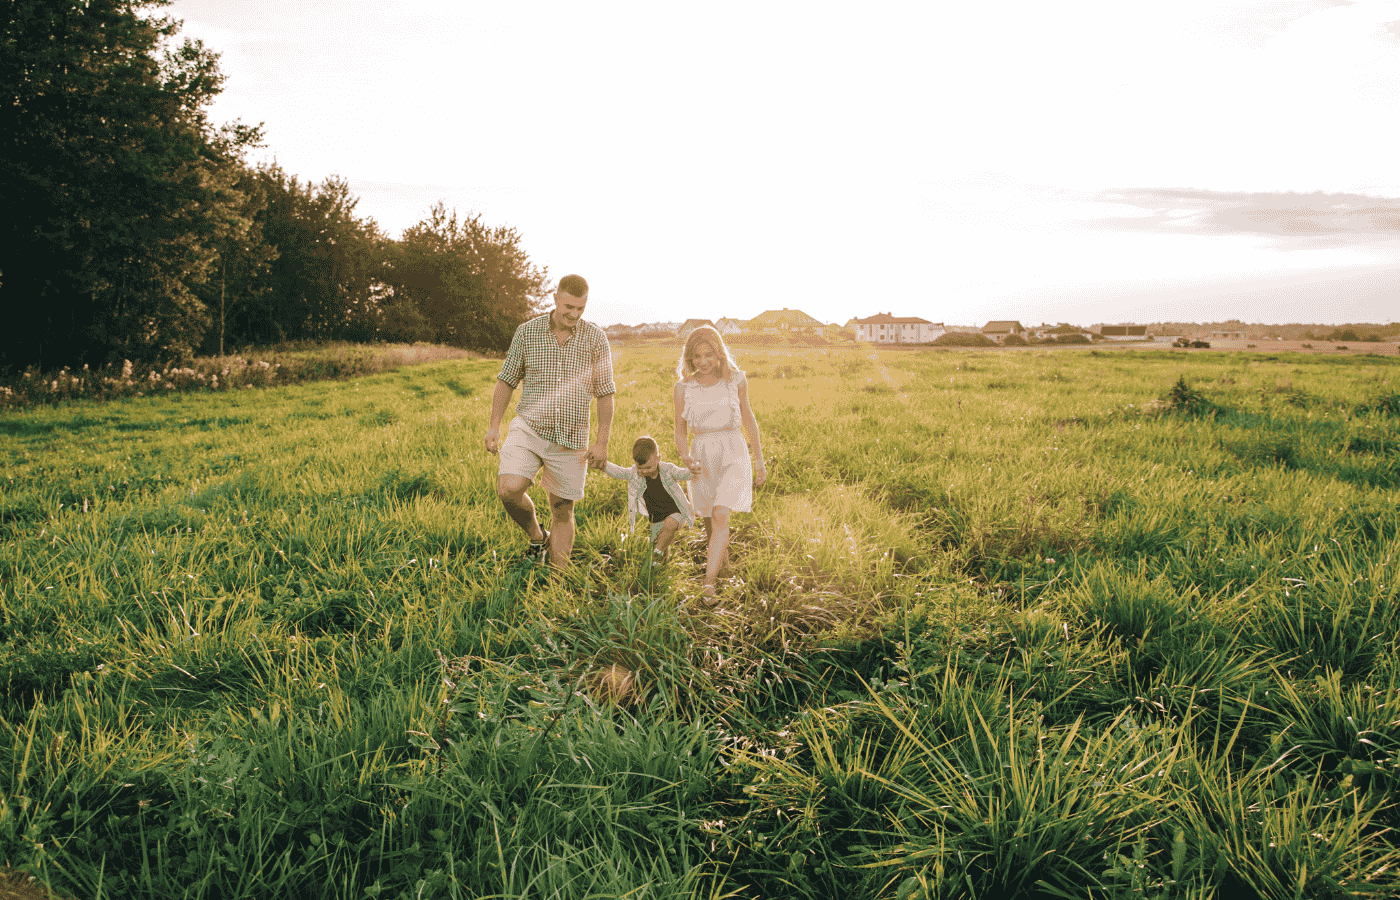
[[1037, 623]]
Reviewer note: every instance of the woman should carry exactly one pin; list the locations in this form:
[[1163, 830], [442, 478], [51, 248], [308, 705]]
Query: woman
[[712, 403]]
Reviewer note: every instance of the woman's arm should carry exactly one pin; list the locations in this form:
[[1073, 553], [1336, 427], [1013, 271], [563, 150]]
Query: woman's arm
[[760, 469], [682, 431]]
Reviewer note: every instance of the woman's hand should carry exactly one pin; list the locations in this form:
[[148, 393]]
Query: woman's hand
[[760, 474]]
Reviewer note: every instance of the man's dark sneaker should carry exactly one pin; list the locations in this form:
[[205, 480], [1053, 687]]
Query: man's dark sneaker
[[537, 552]]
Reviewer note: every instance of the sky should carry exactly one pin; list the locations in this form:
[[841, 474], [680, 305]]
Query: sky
[[1083, 161]]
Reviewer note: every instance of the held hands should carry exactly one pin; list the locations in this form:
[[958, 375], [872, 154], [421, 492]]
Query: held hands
[[692, 464], [597, 457]]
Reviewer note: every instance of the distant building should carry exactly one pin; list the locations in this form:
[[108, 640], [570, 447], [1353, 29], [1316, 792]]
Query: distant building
[[614, 332], [1000, 330], [1123, 332], [727, 327], [885, 328], [785, 320], [690, 325], [1227, 335], [658, 329]]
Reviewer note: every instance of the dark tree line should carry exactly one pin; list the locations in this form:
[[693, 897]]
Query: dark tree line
[[133, 227]]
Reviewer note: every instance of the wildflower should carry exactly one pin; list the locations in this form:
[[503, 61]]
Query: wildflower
[[214, 382], [126, 368]]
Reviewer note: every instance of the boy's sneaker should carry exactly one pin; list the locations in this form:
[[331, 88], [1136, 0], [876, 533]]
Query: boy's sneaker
[[537, 552], [658, 559]]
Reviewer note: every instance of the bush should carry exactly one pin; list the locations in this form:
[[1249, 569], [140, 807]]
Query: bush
[[754, 340], [1071, 339], [1184, 398], [1014, 340], [963, 339], [289, 364]]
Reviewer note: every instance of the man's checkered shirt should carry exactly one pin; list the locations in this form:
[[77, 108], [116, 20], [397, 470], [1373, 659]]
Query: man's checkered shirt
[[560, 382]]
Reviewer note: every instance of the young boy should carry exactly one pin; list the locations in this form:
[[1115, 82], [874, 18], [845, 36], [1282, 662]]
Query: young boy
[[653, 491]]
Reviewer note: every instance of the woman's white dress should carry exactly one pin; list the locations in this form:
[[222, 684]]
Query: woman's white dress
[[717, 440]]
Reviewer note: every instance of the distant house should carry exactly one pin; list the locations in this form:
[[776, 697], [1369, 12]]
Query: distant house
[[1063, 331], [1000, 330], [1227, 335], [727, 327], [885, 328], [785, 320], [1123, 332], [658, 329], [615, 332]]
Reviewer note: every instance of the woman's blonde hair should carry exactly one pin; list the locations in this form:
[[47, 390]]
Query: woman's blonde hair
[[706, 334]]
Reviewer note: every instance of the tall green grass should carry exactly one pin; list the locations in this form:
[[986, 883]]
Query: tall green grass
[[1046, 624]]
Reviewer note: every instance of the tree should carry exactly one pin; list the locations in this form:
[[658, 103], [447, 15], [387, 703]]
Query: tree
[[237, 290], [459, 282], [116, 187], [326, 281]]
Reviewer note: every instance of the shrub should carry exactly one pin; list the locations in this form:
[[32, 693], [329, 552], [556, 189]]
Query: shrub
[[1071, 339], [1014, 340], [754, 340], [963, 339], [1182, 398]]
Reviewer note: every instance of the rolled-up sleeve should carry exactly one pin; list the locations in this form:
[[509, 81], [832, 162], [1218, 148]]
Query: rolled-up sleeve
[[513, 367], [602, 369]]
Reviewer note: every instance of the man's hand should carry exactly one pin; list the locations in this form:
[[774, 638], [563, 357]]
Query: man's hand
[[597, 456], [493, 441]]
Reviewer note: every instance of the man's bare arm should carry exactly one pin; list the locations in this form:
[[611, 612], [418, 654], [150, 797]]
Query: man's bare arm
[[499, 401], [598, 453]]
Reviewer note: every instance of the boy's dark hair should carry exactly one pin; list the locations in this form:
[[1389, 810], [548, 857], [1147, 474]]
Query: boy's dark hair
[[644, 448], [574, 284]]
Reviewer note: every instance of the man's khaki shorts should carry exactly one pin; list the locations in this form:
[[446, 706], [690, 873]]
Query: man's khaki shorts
[[524, 453]]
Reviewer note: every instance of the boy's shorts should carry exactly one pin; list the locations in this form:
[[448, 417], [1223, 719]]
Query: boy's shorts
[[657, 526], [524, 453]]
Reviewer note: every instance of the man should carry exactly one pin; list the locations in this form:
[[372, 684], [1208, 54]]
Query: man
[[563, 362]]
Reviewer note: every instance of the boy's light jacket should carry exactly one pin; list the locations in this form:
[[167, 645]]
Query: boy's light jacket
[[637, 486]]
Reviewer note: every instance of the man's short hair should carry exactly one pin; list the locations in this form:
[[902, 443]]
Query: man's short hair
[[644, 448], [574, 285]]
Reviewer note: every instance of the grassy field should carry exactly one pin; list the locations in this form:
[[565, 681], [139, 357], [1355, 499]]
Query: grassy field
[[1037, 624]]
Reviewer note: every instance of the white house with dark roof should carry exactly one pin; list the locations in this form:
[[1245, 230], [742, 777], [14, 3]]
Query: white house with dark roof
[[658, 329], [885, 328], [1000, 330]]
